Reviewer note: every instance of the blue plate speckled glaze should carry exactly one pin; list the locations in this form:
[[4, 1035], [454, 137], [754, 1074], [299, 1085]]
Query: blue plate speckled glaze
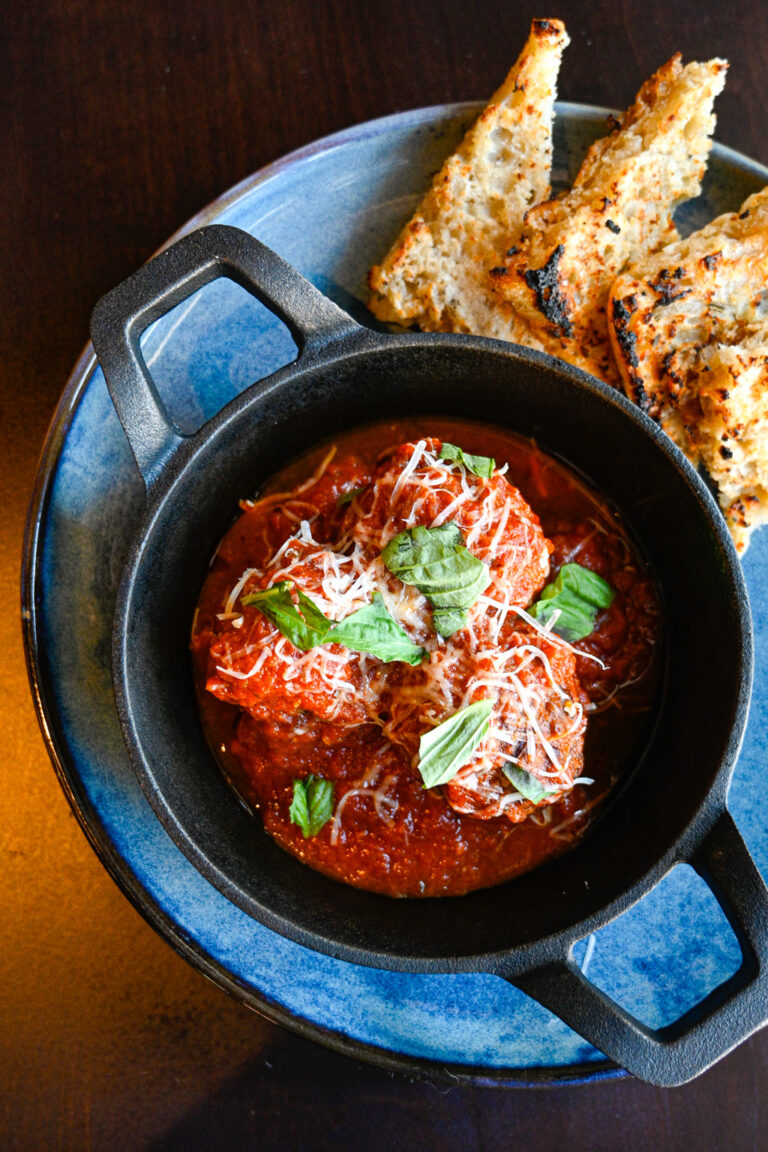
[[331, 210]]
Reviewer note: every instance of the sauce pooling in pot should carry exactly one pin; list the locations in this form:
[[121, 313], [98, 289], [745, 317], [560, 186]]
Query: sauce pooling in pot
[[401, 730]]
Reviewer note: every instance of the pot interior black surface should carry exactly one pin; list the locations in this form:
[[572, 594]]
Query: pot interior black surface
[[703, 622]]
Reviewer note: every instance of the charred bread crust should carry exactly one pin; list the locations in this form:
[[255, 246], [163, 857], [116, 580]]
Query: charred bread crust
[[689, 328], [570, 249]]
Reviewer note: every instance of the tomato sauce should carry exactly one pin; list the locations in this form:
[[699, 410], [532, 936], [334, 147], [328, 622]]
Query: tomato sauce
[[388, 833]]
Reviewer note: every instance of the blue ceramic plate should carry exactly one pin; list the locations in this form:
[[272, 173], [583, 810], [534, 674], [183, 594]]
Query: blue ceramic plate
[[331, 210]]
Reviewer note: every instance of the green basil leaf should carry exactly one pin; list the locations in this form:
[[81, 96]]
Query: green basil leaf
[[348, 497], [313, 616], [438, 563], [299, 809], [320, 800], [446, 621], [576, 595], [585, 584], [312, 804], [573, 619], [372, 629], [479, 465], [526, 783], [306, 628], [448, 747]]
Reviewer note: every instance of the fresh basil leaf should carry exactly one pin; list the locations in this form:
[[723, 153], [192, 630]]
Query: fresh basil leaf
[[572, 619], [312, 804], [479, 465], [313, 616], [446, 621], [576, 595], [438, 563], [585, 584], [448, 747], [372, 629], [415, 544], [320, 802], [348, 497], [526, 783], [299, 809], [306, 628]]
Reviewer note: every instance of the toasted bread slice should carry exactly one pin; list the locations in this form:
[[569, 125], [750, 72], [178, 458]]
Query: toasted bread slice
[[732, 437], [570, 250], [435, 275], [690, 334]]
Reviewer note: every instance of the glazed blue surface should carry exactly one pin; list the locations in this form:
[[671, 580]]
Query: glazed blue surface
[[331, 211]]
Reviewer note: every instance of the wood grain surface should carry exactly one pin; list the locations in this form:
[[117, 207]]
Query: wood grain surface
[[121, 120]]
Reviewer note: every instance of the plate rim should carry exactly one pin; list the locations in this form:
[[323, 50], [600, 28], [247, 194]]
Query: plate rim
[[56, 745]]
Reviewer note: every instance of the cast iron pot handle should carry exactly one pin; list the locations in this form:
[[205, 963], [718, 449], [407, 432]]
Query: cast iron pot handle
[[728, 1015], [123, 314]]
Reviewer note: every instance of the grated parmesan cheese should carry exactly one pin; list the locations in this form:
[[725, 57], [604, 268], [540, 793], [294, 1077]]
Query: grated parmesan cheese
[[502, 654]]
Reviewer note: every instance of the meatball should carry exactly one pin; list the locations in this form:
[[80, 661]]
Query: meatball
[[537, 728], [415, 486], [537, 724], [253, 665]]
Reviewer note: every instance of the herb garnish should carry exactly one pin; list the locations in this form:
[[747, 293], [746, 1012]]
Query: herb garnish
[[348, 496], [576, 595], [370, 629], [479, 465], [527, 784], [448, 747], [312, 804], [438, 563], [305, 626]]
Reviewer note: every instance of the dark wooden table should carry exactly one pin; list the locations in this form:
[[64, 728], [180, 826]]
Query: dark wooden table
[[120, 121]]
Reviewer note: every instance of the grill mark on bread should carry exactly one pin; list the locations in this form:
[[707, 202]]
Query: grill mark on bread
[[622, 312], [620, 206], [550, 299]]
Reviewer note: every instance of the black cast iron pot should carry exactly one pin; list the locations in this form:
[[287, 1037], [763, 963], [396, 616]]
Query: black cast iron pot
[[673, 807]]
